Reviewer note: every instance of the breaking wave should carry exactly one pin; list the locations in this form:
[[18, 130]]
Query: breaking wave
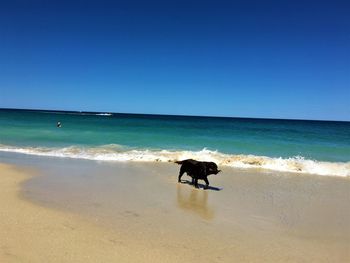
[[115, 152]]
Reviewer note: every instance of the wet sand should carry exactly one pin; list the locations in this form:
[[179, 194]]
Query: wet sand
[[126, 212], [31, 233]]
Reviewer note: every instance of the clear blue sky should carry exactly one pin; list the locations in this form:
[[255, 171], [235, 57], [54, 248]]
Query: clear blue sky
[[279, 59]]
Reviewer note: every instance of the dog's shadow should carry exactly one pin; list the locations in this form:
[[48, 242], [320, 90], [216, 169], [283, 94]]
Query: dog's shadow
[[202, 186]]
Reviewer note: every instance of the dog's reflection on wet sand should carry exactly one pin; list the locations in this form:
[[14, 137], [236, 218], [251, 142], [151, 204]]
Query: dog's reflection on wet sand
[[195, 201]]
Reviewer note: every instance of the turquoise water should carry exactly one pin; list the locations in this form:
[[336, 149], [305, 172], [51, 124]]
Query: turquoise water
[[35, 132]]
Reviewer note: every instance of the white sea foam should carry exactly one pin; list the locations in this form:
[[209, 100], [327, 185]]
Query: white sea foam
[[114, 152], [104, 114], [77, 113]]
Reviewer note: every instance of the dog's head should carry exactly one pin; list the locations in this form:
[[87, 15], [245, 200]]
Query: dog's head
[[212, 168]]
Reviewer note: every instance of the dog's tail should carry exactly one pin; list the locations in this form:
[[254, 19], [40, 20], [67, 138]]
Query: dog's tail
[[179, 162]]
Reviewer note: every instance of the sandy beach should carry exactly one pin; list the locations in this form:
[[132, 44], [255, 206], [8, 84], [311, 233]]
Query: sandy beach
[[60, 210], [30, 233]]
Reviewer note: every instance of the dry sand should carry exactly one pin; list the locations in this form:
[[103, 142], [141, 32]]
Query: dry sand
[[88, 212]]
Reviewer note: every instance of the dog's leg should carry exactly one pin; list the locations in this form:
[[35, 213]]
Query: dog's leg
[[196, 182], [206, 182], [180, 175]]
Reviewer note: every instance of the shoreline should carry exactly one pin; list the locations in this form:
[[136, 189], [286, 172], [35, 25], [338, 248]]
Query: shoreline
[[115, 153], [137, 211]]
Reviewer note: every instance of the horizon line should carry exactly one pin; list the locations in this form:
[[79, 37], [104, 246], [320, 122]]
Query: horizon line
[[172, 115]]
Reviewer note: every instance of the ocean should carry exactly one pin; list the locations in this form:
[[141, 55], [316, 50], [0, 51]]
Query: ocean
[[300, 146]]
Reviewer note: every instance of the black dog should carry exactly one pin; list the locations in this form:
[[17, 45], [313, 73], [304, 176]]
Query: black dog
[[197, 170]]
